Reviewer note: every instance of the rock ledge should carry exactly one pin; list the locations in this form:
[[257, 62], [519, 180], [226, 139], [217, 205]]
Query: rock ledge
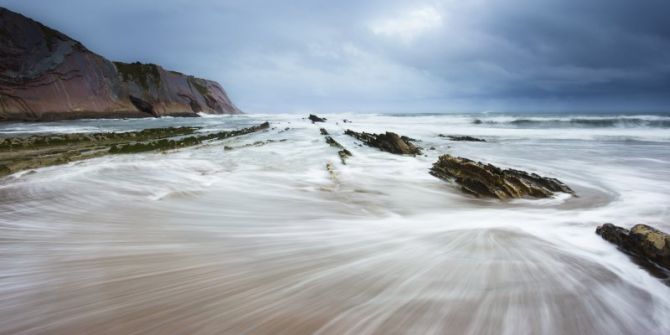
[[389, 142], [486, 180], [643, 241]]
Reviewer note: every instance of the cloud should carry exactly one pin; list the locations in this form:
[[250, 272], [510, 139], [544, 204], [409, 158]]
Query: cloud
[[391, 55], [409, 24]]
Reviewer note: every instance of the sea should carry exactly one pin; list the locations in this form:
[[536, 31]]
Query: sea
[[256, 235]]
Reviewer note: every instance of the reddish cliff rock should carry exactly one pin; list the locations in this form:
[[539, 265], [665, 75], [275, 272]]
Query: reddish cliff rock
[[45, 75]]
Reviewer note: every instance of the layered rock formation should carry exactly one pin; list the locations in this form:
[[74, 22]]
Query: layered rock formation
[[343, 152], [45, 75], [486, 180], [389, 142], [24, 153], [643, 241]]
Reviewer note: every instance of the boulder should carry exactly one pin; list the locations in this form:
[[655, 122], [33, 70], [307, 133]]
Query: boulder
[[643, 241], [46, 75], [389, 142], [316, 119], [486, 180]]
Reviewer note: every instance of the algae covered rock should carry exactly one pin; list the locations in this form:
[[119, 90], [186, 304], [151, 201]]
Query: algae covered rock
[[389, 142], [343, 152], [642, 240], [486, 180]]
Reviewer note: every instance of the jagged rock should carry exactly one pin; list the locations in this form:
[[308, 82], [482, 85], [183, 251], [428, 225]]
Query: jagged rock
[[315, 118], [45, 75], [343, 153], [463, 138], [643, 241], [486, 180], [389, 142]]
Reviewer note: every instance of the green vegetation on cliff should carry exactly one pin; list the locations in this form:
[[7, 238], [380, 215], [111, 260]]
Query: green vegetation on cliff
[[202, 89], [143, 74]]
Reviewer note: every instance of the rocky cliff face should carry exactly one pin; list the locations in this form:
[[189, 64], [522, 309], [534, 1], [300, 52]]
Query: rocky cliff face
[[45, 75]]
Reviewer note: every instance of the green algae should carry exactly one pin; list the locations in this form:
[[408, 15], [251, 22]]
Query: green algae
[[24, 153]]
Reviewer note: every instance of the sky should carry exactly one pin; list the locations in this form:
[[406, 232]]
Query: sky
[[391, 56]]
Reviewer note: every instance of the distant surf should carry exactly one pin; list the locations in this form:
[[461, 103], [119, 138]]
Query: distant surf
[[648, 121]]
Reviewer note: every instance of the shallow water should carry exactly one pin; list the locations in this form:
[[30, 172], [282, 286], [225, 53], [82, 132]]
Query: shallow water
[[261, 239]]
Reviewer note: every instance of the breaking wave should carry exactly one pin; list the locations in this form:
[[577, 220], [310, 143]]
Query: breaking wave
[[579, 122]]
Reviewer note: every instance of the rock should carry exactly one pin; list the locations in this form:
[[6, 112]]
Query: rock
[[316, 119], [343, 153], [642, 241], [463, 138], [4, 170], [24, 153], [486, 180], [389, 142], [45, 75]]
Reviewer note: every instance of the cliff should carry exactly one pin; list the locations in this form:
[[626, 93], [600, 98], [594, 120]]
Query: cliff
[[45, 75]]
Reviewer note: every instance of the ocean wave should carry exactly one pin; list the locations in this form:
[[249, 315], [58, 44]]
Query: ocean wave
[[579, 122]]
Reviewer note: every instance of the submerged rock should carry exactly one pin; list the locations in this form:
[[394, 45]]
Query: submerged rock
[[343, 153], [24, 153], [316, 119], [46, 75], [486, 180], [463, 138], [643, 241], [389, 142]]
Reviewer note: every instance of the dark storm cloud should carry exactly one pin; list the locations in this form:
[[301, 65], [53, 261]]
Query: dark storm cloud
[[392, 55]]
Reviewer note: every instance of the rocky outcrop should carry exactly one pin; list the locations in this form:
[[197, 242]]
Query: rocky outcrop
[[486, 180], [389, 142], [343, 152], [463, 138], [24, 153], [316, 119], [642, 241], [45, 75]]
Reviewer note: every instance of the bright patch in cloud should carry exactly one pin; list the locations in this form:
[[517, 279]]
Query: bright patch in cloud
[[408, 25]]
